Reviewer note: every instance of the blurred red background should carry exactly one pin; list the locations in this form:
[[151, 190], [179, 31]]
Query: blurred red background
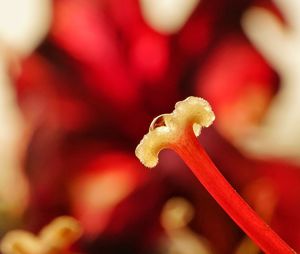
[[88, 94]]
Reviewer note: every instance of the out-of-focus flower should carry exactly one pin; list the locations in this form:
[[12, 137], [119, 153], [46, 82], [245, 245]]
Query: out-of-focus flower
[[55, 238], [20, 33], [176, 214], [278, 134], [239, 84], [87, 95]]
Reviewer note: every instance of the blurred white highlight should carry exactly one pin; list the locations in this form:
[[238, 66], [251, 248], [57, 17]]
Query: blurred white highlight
[[279, 135], [23, 24], [167, 16]]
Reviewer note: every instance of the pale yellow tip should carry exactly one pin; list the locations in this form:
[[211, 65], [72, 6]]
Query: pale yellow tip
[[61, 232], [54, 238], [166, 129]]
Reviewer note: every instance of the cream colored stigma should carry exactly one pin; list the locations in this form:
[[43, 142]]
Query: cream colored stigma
[[53, 239], [166, 129]]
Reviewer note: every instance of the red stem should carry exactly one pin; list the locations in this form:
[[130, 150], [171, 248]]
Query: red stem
[[190, 150]]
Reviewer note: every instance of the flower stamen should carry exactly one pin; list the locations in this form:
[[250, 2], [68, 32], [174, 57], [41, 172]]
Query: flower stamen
[[179, 133]]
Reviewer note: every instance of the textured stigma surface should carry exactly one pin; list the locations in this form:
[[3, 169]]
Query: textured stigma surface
[[167, 128]]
